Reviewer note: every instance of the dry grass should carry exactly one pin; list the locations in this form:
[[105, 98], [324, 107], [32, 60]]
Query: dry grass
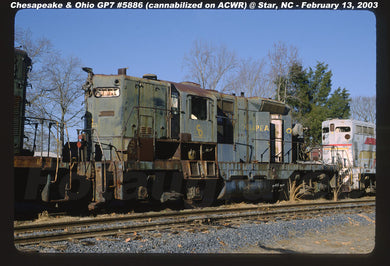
[[295, 192]]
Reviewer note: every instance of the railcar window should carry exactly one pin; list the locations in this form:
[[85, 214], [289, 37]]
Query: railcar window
[[175, 100], [365, 130], [331, 127], [198, 108], [343, 129], [325, 130], [368, 130]]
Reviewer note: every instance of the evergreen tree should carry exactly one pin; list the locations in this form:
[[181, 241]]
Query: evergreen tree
[[308, 93], [339, 104]]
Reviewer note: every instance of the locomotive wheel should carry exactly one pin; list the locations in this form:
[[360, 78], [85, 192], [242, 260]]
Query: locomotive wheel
[[200, 194]]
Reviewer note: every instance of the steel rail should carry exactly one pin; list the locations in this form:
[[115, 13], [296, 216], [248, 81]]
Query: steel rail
[[189, 217], [131, 217]]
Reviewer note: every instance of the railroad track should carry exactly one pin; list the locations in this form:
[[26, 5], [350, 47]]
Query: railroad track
[[91, 227]]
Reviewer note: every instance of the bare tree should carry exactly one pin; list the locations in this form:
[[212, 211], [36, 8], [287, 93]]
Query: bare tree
[[36, 49], [62, 91], [363, 108], [281, 58], [250, 78], [210, 65], [55, 96]]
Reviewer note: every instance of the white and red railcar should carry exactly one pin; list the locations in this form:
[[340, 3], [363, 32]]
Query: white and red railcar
[[352, 144]]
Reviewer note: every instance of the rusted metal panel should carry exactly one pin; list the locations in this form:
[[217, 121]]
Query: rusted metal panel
[[107, 113], [247, 189], [185, 137], [185, 165], [193, 89], [155, 165], [132, 148], [84, 169], [118, 179], [37, 162], [99, 183], [209, 169], [145, 149], [274, 107], [27, 162], [199, 169], [231, 170]]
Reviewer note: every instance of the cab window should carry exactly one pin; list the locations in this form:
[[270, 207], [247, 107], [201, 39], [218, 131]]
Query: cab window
[[325, 130], [343, 129], [198, 108]]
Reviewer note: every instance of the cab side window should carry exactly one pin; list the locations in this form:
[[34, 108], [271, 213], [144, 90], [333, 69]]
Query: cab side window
[[198, 108]]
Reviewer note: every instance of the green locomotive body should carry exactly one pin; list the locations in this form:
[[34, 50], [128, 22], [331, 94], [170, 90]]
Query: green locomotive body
[[150, 139]]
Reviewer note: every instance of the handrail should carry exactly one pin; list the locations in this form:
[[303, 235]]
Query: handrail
[[58, 155], [339, 157], [104, 159]]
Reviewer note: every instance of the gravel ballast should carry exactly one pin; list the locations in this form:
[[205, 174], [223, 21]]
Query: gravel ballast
[[246, 237]]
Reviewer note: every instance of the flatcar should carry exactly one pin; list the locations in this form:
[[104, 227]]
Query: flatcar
[[351, 144]]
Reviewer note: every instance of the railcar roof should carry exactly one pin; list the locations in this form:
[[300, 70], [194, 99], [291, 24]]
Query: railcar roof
[[348, 121]]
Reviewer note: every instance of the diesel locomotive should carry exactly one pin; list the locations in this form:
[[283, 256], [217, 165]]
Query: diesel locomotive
[[352, 144], [150, 139], [146, 139]]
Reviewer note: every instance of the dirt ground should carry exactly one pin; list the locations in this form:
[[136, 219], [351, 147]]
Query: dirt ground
[[346, 239]]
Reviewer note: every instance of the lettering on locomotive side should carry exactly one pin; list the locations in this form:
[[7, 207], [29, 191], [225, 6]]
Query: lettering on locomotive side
[[199, 131], [260, 128]]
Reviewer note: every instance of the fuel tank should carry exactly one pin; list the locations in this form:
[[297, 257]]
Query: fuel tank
[[260, 189]]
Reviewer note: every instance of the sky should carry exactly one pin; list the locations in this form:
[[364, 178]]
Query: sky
[[156, 41]]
